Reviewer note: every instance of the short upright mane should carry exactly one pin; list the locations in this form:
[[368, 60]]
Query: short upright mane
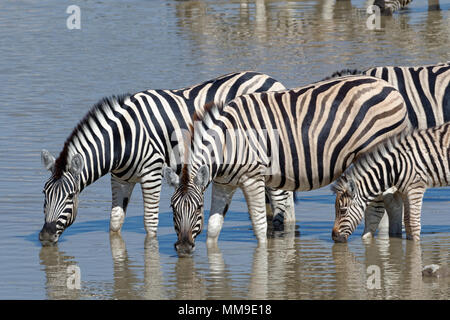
[[103, 104], [341, 182], [343, 72], [198, 115]]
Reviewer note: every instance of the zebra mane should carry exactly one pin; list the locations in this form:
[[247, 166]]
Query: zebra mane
[[341, 184], [106, 103], [387, 143], [343, 72], [198, 115]]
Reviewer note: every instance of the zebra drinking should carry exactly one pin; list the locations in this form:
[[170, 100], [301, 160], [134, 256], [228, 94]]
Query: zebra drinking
[[132, 136], [409, 162], [299, 139], [426, 91]]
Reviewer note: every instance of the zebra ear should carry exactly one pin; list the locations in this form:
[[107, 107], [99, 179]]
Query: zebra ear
[[171, 177], [202, 177], [47, 160], [76, 164]]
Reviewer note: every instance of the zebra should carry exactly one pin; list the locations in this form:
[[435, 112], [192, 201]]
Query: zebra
[[298, 139], [388, 7], [132, 136], [426, 91], [410, 162]]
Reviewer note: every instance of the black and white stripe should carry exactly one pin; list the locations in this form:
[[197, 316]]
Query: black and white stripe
[[388, 7], [426, 91], [299, 139], [411, 163], [132, 137]]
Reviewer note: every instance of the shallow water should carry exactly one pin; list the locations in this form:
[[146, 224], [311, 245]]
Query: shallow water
[[50, 76]]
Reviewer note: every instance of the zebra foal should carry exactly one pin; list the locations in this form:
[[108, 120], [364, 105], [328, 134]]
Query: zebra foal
[[409, 162], [299, 139]]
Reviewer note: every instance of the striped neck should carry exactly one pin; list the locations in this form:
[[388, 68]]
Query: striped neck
[[94, 139], [374, 173], [92, 168]]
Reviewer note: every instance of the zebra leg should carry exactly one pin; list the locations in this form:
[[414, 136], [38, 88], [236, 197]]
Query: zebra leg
[[289, 211], [151, 192], [388, 7], [394, 208], [412, 199], [273, 198], [121, 193], [373, 216], [254, 192], [282, 207], [220, 200], [376, 219]]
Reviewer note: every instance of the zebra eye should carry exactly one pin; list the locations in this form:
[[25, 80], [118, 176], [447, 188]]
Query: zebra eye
[[70, 196]]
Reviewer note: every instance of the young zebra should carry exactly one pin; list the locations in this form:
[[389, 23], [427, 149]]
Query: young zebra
[[299, 139], [426, 91], [132, 136], [409, 162]]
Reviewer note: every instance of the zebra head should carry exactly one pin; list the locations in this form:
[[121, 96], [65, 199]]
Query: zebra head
[[60, 197], [187, 206], [348, 207]]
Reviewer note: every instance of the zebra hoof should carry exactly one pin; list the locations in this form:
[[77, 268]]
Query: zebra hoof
[[367, 235], [413, 237]]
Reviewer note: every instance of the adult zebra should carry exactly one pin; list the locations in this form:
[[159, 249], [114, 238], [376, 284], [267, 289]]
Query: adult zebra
[[299, 139], [426, 91], [409, 162], [132, 136]]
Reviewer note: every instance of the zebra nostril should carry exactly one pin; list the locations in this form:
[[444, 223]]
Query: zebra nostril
[[184, 248], [337, 237]]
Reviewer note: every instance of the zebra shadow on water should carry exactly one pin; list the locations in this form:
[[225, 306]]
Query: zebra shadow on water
[[167, 277], [56, 264], [390, 268], [289, 267]]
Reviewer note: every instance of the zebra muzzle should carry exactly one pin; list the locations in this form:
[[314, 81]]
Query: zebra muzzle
[[337, 237], [48, 235], [185, 247]]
